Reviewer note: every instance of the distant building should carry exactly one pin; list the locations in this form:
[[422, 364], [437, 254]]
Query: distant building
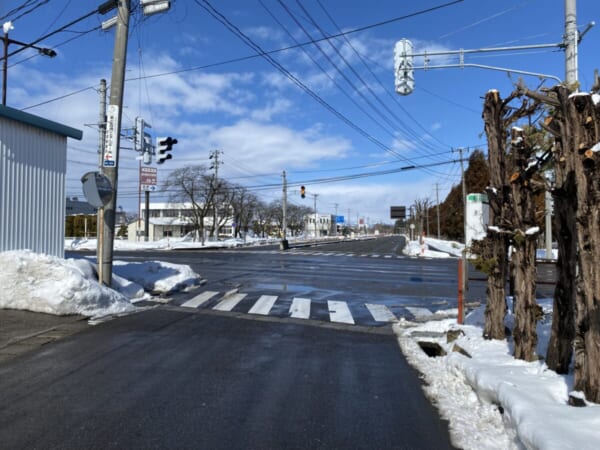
[[325, 226], [75, 206], [171, 220], [33, 165]]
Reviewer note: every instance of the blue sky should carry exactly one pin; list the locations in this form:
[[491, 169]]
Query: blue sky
[[193, 79]]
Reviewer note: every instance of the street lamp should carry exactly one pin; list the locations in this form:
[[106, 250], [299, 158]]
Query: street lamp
[[7, 26]]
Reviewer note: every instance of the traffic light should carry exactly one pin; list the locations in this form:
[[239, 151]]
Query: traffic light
[[403, 67], [302, 191], [164, 145]]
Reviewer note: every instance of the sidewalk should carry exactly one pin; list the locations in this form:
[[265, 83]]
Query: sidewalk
[[24, 331]]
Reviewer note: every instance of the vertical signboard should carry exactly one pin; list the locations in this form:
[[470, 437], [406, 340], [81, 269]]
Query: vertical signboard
[[148, 178], [112, 132]]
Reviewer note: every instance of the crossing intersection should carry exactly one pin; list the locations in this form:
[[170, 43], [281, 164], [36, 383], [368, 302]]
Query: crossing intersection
[[301, 306]]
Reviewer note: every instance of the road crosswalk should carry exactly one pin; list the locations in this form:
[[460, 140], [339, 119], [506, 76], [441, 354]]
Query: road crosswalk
[[297, 307], [335, 311]]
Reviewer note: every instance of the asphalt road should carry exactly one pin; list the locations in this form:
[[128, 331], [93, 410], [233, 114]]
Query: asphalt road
[[357, 273], [166, 378], [176, 376]]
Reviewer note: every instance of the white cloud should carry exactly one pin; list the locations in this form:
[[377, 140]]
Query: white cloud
[[272, 148], [372, 200], [277, 106]]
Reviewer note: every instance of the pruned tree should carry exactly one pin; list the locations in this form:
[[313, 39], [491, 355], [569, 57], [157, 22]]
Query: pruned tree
[[564, 194], [494, 246], [583, 121], [523, 239], [512, 213]]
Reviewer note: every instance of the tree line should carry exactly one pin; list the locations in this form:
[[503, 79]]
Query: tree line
[[561, 132], [221, 201]]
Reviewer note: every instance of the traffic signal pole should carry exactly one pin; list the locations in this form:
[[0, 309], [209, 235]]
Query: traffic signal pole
[[113, 131]]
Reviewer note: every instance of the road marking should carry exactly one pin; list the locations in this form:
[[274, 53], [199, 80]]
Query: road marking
[[339, 312], [263, 305], [300, 308], [419, 312], [228, 302], [199, 299], [381, 313]]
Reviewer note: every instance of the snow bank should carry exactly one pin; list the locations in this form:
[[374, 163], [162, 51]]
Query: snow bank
[[51, 285], [493, 400]]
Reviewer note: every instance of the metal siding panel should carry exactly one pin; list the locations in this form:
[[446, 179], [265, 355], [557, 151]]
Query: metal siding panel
[[32, 189]]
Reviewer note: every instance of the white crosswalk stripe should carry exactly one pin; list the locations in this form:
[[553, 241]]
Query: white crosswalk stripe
[[199, 300], [381, 313], [263, 305], [300, 308], [339, 312], [229, 302], [419, 312]]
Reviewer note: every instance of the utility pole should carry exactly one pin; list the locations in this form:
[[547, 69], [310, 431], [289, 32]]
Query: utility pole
[[571, 42], [100, 213], [464, 196], [113, 138], [336, 215], [215, 155], [437, 202], [315, 202], [284, 242]]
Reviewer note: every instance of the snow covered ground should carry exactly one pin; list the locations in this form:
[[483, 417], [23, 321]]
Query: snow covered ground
[[491, 400]]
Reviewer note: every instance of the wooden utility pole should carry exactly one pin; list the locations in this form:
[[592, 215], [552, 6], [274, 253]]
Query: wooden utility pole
[[113, 140], [100, 213]]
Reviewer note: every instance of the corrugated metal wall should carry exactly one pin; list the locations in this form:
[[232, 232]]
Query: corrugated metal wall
[[33, 165]]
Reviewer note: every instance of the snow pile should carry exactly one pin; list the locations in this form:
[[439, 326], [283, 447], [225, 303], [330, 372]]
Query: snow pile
[[157, 276], [493, 400], [165, 244], [443, 249], [52, 285]]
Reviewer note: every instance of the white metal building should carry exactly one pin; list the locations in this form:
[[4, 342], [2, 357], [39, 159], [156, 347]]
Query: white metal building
[[33, 165]]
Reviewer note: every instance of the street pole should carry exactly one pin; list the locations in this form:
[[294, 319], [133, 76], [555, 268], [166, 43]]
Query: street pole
[[284, 205], [437, 201], [111, 150], [571, 38], [315, 200], [336, 215], [5, 68], [147, 216], [215, 154], [464, 196], [100, 213]]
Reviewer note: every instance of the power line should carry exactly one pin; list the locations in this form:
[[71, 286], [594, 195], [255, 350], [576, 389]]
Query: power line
[[245, 58]]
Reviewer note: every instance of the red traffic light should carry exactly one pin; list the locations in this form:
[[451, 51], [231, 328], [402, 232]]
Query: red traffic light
[[302, 191]]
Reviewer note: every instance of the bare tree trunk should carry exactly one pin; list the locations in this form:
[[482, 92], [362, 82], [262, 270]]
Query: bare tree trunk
[[560, 345], [495, 310], [584, 123], [524, 242]]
